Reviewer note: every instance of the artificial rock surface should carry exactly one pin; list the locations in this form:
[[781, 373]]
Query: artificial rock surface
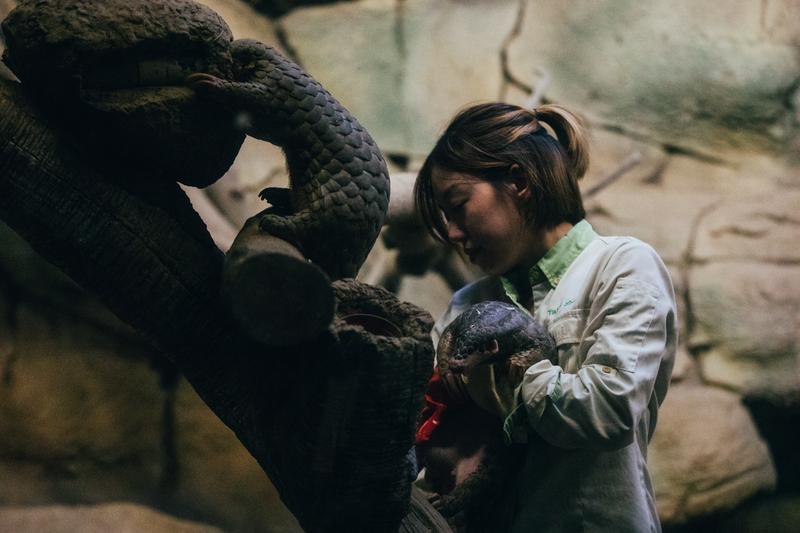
[[680, 72], [706, 455], [219, 480], [86, 417], [747, 317], [122, 517], [762, 227], [777, 515], [385, 62], [353, 50]]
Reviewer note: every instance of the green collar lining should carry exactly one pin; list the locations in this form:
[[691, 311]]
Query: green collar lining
[[556, 261]]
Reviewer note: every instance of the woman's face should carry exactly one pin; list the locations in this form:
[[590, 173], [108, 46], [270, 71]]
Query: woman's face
[[483, 218]]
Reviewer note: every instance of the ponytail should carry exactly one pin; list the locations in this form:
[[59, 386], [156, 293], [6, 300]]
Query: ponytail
[[570, 132]]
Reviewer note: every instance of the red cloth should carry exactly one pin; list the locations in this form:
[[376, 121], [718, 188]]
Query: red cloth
[[437, 400]]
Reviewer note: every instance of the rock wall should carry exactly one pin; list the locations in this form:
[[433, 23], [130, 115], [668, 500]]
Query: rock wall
[[704, 96], [89, 413]]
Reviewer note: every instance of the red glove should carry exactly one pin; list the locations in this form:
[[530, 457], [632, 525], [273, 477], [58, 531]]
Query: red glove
[[438, 398]]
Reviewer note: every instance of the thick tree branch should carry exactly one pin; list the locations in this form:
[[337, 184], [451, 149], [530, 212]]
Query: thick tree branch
[[330, 420]]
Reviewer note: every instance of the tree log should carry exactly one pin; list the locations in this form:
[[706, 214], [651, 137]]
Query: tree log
[[297, 304], [329, 420]]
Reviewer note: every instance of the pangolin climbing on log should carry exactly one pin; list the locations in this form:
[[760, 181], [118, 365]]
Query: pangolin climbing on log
[[482, 356], [339, 183]]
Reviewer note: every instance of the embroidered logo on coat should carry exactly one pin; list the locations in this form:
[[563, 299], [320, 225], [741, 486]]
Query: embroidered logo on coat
[[563, 305]]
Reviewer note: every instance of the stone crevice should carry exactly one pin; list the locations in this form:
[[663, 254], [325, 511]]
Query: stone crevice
[[779, 219], [711, 382], [685, 271], [656, 177], [399, 29], [400, 43], [509, 79], [669, 148], [776, 261], [739, 231]]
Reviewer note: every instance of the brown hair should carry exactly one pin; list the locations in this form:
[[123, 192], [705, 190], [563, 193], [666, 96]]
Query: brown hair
[[488, 140]]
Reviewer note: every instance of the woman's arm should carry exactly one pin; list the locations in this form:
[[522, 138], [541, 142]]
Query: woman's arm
[[631, 329]]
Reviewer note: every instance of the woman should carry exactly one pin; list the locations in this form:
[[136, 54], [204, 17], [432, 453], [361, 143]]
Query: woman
[[504, 190]]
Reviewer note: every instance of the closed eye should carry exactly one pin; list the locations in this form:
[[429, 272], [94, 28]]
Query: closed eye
[[449, 211], [456, 207]]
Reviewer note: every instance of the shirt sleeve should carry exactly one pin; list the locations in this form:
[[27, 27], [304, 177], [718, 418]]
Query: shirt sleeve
[[630, 333]]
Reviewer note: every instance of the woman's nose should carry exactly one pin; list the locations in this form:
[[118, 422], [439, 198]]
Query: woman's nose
[[454, 232]]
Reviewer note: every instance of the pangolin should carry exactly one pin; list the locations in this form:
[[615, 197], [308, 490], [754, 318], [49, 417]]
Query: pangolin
[[339, 190], [494, 333], [467, 464]]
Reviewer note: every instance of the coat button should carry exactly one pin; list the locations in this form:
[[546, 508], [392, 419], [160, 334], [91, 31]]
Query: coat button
[[606, 369]]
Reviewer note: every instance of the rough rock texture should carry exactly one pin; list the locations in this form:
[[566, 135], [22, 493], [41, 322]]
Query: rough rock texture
[[757, 228], [96, 519], [217, 481], [383, 59], [778, 515], [440, 80], [660, 182], [748, 319], [681, 72], [97, 378], [675, 73], [82, 413], [706, 455], [354, 50]]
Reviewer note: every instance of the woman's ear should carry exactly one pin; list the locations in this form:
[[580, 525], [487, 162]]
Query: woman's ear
[[518, 182]]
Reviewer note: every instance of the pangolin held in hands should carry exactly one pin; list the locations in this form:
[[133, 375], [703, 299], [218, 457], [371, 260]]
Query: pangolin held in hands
[[467, 464], [494, 333]]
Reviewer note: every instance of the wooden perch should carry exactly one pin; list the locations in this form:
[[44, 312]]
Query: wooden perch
[[297, 303]]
